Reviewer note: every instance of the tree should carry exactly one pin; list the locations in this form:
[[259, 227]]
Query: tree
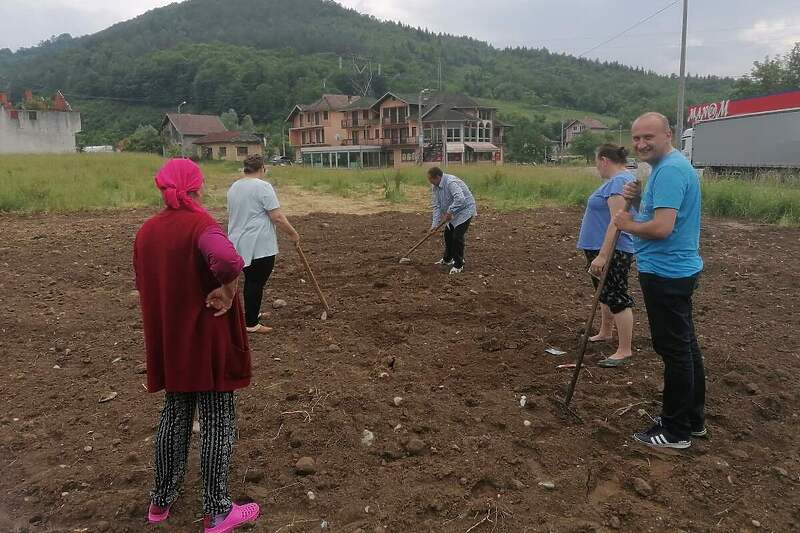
[[247, 125], [230, 120], [144, 139], [585, 145]]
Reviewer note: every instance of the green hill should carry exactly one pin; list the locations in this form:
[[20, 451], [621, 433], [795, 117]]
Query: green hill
[[262, 56]]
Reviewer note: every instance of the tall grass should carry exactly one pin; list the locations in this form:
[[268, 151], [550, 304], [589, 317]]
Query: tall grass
[[73, 182], [88, 181], [761, 201]]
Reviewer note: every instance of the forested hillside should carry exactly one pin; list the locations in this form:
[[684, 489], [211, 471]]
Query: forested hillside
[[260, 57]]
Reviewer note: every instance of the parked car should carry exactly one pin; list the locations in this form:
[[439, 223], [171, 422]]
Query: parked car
[[281, 160], [632, 164]]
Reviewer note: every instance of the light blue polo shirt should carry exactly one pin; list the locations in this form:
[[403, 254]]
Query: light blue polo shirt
[[673, 184]]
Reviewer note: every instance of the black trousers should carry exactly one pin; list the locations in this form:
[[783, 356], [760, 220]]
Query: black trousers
[[255, 279], [217, 415], [669, 311], [454, 243]]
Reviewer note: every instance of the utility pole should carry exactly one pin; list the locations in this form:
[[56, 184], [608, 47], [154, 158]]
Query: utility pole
[[682, 82], [420, 136], [620, 133], [183, 151], [561, 150], [444, 144]]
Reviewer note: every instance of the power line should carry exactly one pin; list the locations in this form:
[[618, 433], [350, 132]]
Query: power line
[[626, 30]]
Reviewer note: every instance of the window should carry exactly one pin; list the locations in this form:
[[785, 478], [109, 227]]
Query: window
[[241, 150], [414, 133], [365, 115], [324, 115], [355, 138], [305, 137], [32, 115], [319, 136], [453, 135], [408, 155], [377, 134], [301, 120], [316, 118], [485, 114], [223, 152]]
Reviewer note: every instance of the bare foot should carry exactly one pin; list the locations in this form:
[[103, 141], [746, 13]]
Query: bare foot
[[600, 337], [618, 355], [259, 328]]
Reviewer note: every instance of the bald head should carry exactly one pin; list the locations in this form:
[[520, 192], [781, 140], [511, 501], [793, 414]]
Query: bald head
[[655, 118], [652, 137]]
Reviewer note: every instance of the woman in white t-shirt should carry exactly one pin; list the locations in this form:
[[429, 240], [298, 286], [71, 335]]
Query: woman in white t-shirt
[[253, 215]]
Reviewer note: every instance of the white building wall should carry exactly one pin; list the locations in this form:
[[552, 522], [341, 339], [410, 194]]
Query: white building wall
[[51, 132]]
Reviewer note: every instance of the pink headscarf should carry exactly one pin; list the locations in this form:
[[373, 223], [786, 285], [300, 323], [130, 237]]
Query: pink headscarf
[[177, 178]]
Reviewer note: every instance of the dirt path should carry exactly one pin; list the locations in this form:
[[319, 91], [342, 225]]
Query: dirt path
[[460, 351]]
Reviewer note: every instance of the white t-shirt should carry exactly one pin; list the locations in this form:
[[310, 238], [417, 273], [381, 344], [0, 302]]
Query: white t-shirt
[[249, 227]]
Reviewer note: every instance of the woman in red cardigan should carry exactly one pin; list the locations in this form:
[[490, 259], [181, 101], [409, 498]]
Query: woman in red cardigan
[[197, 351]]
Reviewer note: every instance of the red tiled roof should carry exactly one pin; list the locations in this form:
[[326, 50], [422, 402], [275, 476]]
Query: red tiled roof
[[229, 137], [188, 124], [594, 124]]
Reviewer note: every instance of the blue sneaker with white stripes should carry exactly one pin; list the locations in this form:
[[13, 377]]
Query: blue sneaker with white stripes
[[658, 437]]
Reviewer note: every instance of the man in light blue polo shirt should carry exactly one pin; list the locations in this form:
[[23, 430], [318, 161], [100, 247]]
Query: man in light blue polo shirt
[[453, 202], [667, 245]]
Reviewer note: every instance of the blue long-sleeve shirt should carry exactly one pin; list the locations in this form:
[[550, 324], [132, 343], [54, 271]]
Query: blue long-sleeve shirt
[[452, 196]]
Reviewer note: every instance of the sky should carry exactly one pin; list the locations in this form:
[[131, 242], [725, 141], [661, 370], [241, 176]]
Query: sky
[[725, 36]]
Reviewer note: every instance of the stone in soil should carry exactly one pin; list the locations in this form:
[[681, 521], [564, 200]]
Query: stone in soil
[[305, 466], [642, 487], [416, 446], [277, 304]]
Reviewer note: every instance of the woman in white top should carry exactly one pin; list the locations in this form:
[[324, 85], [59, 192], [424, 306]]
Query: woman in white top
[[253, 215]]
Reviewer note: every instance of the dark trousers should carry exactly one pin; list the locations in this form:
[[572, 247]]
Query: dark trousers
[[669, 311], [455, 241], [255, 278], [217, 415]]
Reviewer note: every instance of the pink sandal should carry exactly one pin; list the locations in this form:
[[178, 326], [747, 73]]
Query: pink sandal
[[156, 514], [240, 514]]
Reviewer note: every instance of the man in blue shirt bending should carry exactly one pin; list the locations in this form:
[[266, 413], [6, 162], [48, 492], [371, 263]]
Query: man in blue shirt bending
[[667, 241], [453, 202]]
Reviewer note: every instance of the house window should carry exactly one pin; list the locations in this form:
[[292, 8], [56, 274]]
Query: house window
[[365, 115], [355, 138], [223, 152], [324, 115], [408, 155], [241, 150], [453, 135], [304, 138], [485, 114], [301, 119], [414, 132], [320, 136], [316, 118], [377, 134]]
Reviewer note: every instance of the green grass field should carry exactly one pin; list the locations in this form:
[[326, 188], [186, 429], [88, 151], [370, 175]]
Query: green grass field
[[73, 182]]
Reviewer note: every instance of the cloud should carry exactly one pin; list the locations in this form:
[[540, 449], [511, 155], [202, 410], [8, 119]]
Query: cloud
[[777, 35]]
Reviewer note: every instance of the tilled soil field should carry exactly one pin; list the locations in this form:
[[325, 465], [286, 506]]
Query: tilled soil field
[[408, 398]]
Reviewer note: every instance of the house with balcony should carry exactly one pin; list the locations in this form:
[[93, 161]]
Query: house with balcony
[[396, 130]]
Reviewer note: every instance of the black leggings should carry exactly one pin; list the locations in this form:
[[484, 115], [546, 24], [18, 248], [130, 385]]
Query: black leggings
[[255, 278]]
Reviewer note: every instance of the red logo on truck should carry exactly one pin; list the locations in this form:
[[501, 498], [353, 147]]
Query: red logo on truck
[[745, 106]]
